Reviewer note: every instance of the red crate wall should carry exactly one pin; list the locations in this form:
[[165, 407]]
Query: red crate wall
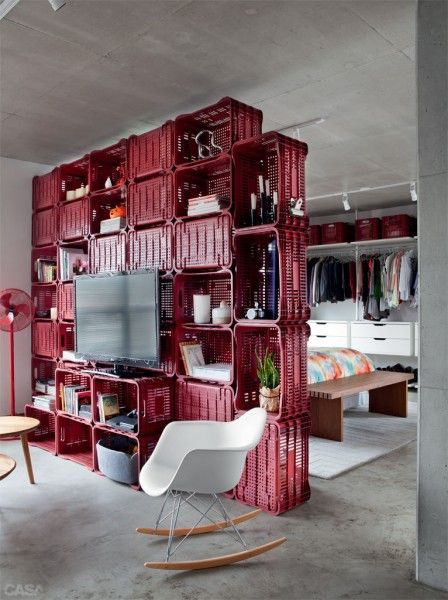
[[101, 204], [279, 159], [152, 151], [288, 344], [202, 179], [219, 285], [228, 119], [150, 248], [65, 302], [64, 377], [108, 253], [253, 266], [151, 201], [73, 175], [109, 162], [217, 346], [74, 220], [44, 298], [49, 252], [74, 440], [44, 435], [203, 243], [44, 339], [45, 227], [200, 401], [275, 477], [46, 190], [42, 369]]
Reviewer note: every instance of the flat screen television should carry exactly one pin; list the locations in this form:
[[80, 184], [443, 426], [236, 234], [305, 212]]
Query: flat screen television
[[117, 318]]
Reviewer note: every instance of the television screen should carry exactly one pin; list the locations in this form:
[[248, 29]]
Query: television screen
[[117, 318]]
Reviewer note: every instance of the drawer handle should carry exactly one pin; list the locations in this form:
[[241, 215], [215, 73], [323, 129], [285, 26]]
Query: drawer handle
[[321, 336], [380, 339], [321, 322], [379, 324]]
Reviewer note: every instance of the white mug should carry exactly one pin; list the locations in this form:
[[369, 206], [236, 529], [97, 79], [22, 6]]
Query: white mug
[[201, 308]]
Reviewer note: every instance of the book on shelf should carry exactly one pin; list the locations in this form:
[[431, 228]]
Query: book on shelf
[[45, 386], [214, 371], [45, 269], [71, 261], [191, 355], [108, 406], [207, 204], [69, 396], [44, 401]]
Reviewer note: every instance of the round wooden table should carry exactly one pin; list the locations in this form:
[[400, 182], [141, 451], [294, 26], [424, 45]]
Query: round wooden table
[[20, 426], [7, 465]]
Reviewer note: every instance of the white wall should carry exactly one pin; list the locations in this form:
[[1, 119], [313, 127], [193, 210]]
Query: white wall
[[15, 267]]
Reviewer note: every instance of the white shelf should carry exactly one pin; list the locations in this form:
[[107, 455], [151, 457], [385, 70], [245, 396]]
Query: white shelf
[[401, 241]]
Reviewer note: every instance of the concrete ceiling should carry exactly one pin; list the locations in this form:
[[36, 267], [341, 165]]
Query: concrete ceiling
[[99, 70]]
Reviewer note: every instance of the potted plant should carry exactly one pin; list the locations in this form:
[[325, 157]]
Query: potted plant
[[269, 378]]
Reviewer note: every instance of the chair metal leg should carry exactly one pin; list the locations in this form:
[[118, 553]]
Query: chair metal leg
[[228, 518], [176, 506], [163, 508]]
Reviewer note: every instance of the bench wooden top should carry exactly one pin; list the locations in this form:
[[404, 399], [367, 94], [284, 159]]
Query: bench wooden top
[[346, 386]]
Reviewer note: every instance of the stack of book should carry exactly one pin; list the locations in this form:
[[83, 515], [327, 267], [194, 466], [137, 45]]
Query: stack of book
[[75, 399], [45, 269], [72, 261], [207, 204], [44, 401]]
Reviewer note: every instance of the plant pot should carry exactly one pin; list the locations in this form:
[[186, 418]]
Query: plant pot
[[270, 399]]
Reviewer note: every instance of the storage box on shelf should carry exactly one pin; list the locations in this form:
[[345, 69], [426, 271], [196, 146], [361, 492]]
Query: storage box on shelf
[[203, 179], [367, 229], [101, 204], [337, 233], [74, 221], [203, 243], [217, 348], [279, 160], [201, 401], [109, 163], [151, 397], [217, 284], [44, 435], [119, 467], [108, 253], [44, 339], [71, 377], [42, 371], [271, 270], [44, 264], [73, 177], [152, 151], [152, 200], [65, 301], [150, 248], [46, 190], [288, 344], [44, 298], [399, 226], [45, 227], [74, 440], [228, 120], [66, 338], [275, 477], [315, 235]]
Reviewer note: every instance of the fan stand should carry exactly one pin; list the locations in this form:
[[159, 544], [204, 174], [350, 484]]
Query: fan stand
[[12, 393]]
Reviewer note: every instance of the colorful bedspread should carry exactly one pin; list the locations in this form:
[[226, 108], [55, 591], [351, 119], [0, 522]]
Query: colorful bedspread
[[334, 363]]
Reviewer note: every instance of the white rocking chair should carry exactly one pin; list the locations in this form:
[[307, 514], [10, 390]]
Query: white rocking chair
[[202, 457]]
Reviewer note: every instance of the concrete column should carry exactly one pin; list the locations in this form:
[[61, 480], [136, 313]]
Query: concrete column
[[432, 82]]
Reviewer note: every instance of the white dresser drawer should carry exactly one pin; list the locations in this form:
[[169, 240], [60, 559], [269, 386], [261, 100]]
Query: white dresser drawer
[[333, 328], [381, 345], [327, 341], [416, 338], [384, 330]]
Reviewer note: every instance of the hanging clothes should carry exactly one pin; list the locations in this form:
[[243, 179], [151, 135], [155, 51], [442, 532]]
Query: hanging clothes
[[330, 280]]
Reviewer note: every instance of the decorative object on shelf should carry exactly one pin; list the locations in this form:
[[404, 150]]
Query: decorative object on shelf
[[53, 313], [205, 151], [108, 183], [295, 207], [108, 406], [201, 308], [214, 371], [112, 225], [191, 355], [269, 378], [70, 195], [255, 313], [222, 314], [118, 211]]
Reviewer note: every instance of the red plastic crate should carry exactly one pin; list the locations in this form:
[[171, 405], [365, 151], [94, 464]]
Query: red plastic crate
[[203, 402], [74, 221], [44, 299], [101, 204], [228, 119], [66, 337], [152, 397], [44, 339], [217, 346], [44, 435], [337, 233], [315, 235], [150, 248], [152, 151], [218, 285], [167, 341], [65, 302], [74, 440], [151, 201], [399, 226], [281, 160], [367, 229], [201, 179], [288, 344], [108, 253], [45, 227], [275, 477], [204, 243], [109, 162], [81, 247], [256, 251], [46, 190], [37, 254], [42, 369], [145, 444], [166, 289], [73, 175], [65, 376]]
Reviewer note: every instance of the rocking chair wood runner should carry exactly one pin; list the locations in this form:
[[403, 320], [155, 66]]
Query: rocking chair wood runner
[[202, 457]]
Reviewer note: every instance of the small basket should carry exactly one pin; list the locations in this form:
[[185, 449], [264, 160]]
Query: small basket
[[113, 460]]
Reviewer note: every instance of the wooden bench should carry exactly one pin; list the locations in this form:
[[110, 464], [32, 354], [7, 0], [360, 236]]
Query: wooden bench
[[388, 394]]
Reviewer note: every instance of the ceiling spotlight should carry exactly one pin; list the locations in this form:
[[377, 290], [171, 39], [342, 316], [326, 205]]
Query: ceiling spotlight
[[298, 126], [345, 202], [413, 189], [57, 4]]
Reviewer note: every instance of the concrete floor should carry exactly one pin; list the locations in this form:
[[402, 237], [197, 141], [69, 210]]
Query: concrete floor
[[71, 536]]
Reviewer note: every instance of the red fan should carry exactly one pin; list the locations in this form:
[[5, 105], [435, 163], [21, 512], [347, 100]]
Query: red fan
[[16, 313]]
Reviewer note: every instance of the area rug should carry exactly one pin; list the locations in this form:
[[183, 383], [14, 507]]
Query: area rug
[[367, 436]]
